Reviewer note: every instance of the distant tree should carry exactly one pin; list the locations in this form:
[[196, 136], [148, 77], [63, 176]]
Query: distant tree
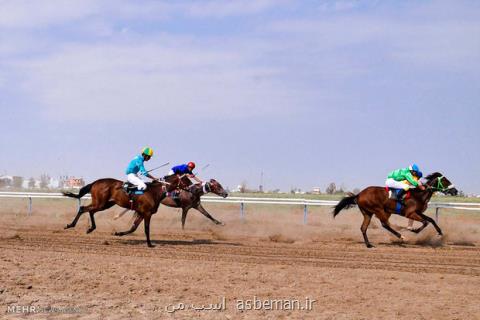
[[243, 187], [44, 181], [461, 193], [31, 183], [4, 183], [331, 189], [17, 182]]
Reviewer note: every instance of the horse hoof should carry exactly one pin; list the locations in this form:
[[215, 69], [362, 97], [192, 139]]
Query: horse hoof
[[67, 227], [403, 238], [89, 230], [151, 245], [369, 245]]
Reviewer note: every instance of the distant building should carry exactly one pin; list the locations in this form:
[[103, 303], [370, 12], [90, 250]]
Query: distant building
[[70, 182], [54, 183], [316, 190]]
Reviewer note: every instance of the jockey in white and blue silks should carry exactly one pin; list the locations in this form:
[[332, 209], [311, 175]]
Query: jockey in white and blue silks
[[136, 167]]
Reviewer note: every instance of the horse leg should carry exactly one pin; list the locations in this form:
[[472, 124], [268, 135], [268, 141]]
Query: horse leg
[[200, 208], [134, 227], [184, 217], [75, 220], [366, 221], [415, 216], [93, 226], [427, 218], [383, 217], [146, 222]]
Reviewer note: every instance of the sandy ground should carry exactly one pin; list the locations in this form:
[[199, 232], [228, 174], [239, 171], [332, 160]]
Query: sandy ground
[[270, 255]]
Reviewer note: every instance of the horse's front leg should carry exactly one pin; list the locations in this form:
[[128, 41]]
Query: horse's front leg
[[134, 227], [428, 219], [416, 216], [200, 208], [184, 216]]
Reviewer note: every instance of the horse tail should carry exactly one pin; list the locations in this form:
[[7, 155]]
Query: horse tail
[[345, 203], [83, 191]]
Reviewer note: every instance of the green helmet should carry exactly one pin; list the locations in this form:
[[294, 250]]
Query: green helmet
[[147, 151]]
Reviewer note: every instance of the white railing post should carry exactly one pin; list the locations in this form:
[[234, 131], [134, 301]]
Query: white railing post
[[242, 211], [436, 214], [29, 206], [305, 213]]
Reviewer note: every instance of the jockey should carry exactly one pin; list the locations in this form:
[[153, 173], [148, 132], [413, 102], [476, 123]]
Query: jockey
[[185, 169], [136, 166], [404, 179]]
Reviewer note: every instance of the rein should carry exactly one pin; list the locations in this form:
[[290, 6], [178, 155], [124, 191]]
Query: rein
[[206, 187], [440, 187]]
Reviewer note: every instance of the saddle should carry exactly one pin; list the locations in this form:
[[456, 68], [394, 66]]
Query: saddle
[[398, 195], [175, 195], [131, 189]]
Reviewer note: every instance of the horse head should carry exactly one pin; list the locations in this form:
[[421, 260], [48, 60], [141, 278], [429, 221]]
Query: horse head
[[438, 182], [215, 187]]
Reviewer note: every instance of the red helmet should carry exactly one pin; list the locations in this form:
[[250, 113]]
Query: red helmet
[[191, 165]]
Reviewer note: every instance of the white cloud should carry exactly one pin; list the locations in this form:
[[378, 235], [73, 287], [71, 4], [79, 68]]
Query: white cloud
[[276, 68], [449, 45], [145, 81], [35, 14], [222, 8]]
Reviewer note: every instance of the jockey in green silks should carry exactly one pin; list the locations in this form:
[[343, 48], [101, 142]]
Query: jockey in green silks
[[404, 179]]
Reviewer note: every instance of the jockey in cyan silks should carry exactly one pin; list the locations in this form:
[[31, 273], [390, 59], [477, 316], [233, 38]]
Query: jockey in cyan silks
[[402, 180], [136, 167]]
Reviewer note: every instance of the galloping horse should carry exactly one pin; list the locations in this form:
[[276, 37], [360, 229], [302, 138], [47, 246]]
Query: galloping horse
[[189, 197], [375, 201], [109, 192]]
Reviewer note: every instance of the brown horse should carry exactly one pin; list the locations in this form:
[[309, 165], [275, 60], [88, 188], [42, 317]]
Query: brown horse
[[188, 197], [109, 192], [375, 201]]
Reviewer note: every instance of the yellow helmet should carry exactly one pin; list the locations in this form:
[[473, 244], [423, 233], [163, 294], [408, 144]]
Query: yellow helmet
[[147, 151]]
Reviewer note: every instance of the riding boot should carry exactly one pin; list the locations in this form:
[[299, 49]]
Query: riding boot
[[400, 201], [176, 197], [399, 195]]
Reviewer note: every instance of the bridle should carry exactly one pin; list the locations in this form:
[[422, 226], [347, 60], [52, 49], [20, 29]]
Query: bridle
[[440, 187], [207, 187]]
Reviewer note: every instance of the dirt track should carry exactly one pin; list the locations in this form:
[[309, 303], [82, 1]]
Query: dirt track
[[109, 277]]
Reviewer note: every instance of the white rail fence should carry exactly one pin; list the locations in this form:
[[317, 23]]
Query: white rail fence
[[242, 201]]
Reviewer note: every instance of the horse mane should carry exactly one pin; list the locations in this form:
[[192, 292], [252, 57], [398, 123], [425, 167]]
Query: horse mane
[[432, 176]]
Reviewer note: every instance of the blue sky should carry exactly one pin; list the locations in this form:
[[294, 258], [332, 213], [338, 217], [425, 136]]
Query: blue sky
[[309, 92]]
